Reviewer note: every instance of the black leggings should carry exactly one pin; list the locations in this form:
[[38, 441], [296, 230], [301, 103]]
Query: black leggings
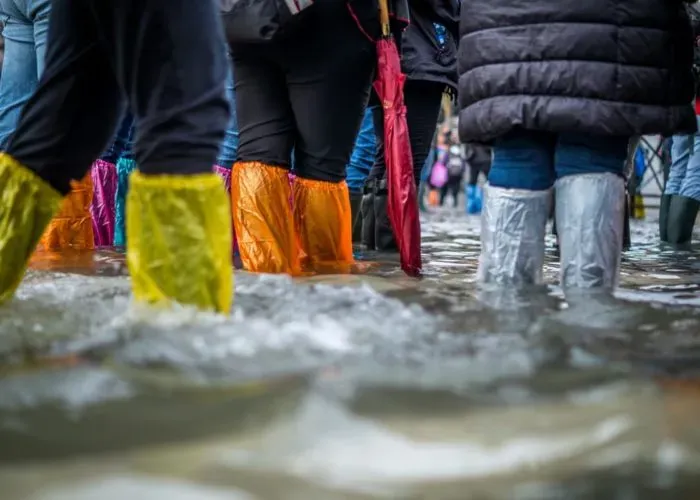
[[99, 51], [423, 101], [474, 171], [306, 95]]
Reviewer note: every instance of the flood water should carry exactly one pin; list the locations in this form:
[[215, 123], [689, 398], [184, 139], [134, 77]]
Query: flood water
[[355, 387]]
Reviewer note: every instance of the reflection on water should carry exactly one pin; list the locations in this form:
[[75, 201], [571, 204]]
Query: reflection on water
[[355, 387]]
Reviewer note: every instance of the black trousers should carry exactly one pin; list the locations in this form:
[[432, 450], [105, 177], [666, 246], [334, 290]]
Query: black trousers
[[423, 101], [165, 58], [305, 95], [474, 171]]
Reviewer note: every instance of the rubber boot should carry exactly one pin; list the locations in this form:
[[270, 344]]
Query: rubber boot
[[682, 212], [473, 200], [263, 218], [179, 233], [104, 184], [323, 222], [627, 231], [590, 211], [383, 232], [367, 216], [355, 206], [27, 205], [71, 227], [663, 217], [513, 226]]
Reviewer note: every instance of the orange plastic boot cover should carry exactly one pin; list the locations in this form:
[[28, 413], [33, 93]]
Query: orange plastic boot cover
[[323, 220], [72, 226], [262, 218]]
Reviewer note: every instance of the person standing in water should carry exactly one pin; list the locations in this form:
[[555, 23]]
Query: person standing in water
[[558, 89], [178, 215]]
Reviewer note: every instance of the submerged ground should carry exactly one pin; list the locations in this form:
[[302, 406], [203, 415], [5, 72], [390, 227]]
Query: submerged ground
[[359, 387]]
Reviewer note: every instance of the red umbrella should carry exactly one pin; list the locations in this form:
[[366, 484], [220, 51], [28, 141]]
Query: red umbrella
[[402, 200]]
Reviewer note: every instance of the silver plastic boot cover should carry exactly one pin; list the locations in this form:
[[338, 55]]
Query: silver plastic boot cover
[[513, 225], [590, 211]]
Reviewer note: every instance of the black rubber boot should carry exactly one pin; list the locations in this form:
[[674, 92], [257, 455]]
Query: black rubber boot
[[682, 212], [383, 233], [367, 217], [626, 233], [663, 216], [355, 205]]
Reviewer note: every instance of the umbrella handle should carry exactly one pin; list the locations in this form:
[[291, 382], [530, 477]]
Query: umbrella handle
[[384, 17]]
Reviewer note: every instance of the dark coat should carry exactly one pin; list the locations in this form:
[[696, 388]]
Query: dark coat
[[609, 67], [422, 56]]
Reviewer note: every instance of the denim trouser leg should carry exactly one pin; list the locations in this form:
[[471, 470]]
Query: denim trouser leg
[[229, 148], [587, 154], [523, 160], [690, 187], [363, 154], [680, 155]]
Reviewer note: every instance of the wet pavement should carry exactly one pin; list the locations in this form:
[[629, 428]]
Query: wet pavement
[[355, 387]]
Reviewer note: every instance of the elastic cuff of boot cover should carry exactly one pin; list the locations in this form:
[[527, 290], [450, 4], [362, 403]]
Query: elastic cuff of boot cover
[[27, 204], [263, 219], [104, 181], [179, 232], [513, 226], [590, 211], [323, 222]]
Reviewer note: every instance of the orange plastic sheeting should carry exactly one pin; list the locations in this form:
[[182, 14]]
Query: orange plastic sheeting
[[262, 218], [323, 220], [72, 226]]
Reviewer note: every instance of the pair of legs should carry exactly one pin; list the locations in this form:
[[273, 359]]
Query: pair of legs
[[25, 32], [681, 198], [452, 187], [305, 97], [173, 78], [422, 99], [587, 173]]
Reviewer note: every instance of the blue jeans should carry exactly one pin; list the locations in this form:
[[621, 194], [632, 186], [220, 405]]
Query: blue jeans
[[26, 29], [363, 154], [684, 176], [535, 160], [229, 148]]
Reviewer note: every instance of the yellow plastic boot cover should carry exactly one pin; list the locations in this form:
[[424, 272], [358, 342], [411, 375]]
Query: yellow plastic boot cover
[[263, 218], [72, 226], [324, 224], [27, 204], [179, 234]]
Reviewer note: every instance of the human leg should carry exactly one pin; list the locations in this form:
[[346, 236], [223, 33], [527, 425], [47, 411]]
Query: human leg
[[334, 59], [590, 205], [516, 209], [260, 191], [56, 139], [19, 76], [178, 216], [683, 208]]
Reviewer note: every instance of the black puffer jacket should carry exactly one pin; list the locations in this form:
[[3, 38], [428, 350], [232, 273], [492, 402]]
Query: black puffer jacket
[[609, 67], [422, 55]]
